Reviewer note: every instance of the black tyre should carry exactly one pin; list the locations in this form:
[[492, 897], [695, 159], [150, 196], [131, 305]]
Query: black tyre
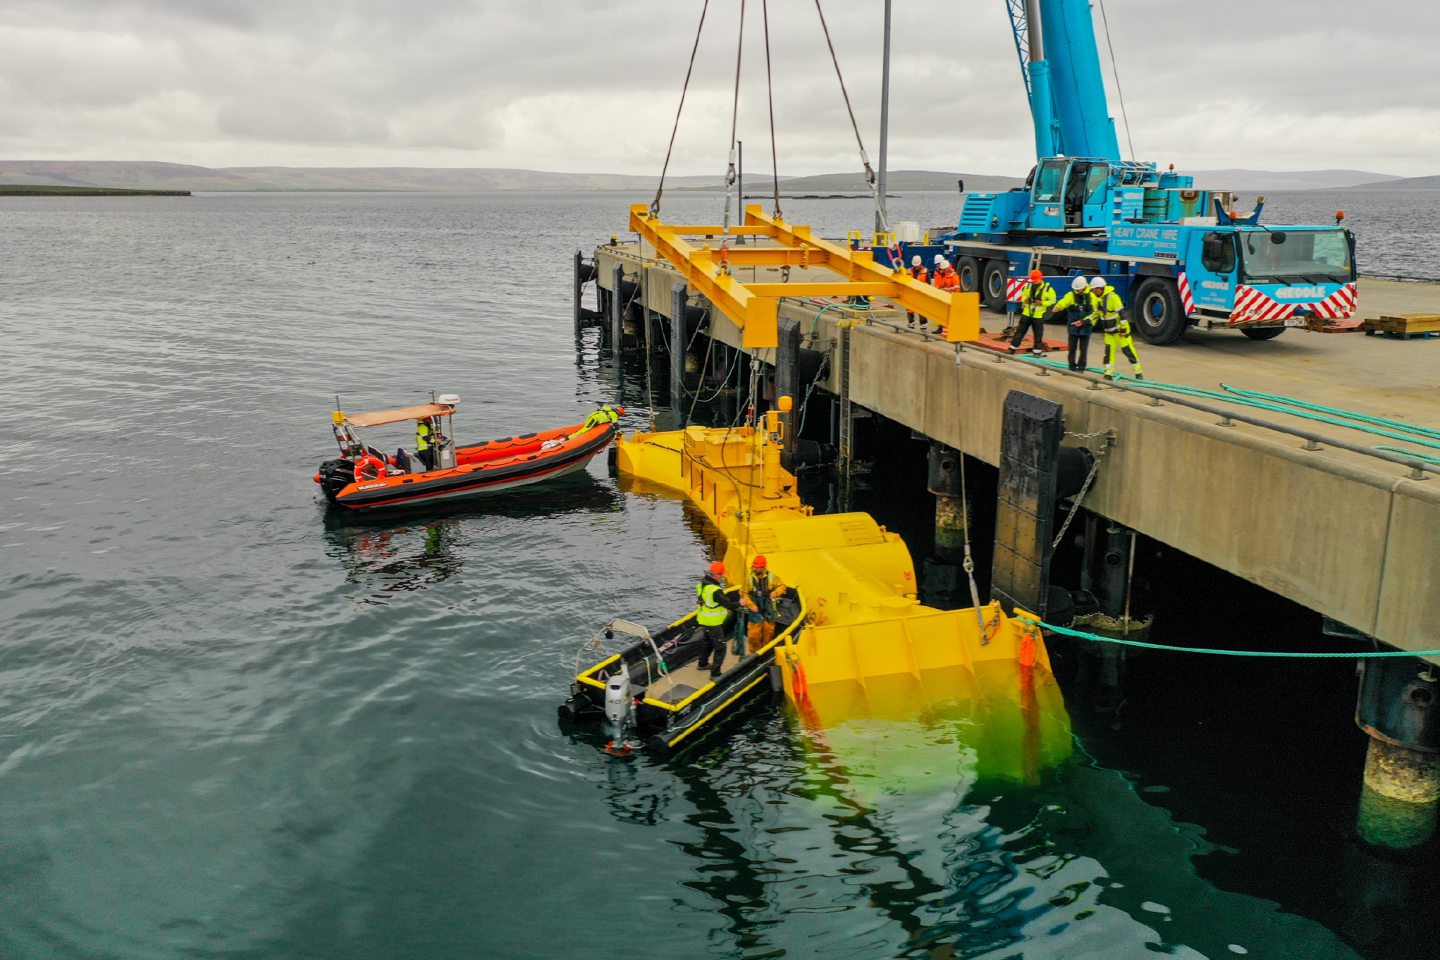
[[993, 279], [1156, 313], [1262, 333], [969, 270]]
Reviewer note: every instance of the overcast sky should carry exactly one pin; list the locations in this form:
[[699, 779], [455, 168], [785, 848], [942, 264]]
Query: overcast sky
[[592, 86]]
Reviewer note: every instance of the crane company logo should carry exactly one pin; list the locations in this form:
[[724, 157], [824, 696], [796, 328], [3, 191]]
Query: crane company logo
[[1300, 292], [1215, 284]]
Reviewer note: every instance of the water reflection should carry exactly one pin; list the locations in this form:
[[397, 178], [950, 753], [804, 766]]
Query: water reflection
[[414, 550]]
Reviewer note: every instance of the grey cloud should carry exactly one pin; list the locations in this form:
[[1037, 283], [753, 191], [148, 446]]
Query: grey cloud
[[562, 85]]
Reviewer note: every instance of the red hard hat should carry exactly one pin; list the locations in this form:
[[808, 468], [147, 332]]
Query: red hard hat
[[717, 568], [759, 561], [1036, 276]]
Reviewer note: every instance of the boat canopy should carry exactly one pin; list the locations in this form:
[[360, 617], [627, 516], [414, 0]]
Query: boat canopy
[[379, 417]]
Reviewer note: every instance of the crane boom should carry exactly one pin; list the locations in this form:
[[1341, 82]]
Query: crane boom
[[1060, 66]]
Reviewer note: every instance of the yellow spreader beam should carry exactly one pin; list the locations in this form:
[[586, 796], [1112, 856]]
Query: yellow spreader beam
[[754, 307]]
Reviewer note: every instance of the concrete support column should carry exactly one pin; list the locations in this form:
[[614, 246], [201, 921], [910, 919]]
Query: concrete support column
[[578, 286], [1397, 708], [1107, 547], [944, 577], [617, 309], [679, 337]]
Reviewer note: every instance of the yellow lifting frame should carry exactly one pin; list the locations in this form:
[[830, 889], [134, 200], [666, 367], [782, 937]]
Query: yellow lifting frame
[[754, 307]]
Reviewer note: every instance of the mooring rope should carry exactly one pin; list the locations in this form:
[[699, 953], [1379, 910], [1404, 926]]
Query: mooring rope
[[1293, 654]]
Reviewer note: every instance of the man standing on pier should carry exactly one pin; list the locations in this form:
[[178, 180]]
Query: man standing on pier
[[1105, 309], [1075, 308], [918, 271], [1036, 299]]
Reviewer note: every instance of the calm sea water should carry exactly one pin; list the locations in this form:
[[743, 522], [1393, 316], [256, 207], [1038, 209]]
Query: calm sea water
[[232, 728]]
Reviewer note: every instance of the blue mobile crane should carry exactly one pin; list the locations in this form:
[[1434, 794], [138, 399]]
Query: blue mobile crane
[[1178, 255]]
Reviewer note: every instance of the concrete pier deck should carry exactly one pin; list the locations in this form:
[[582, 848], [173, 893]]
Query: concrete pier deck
[[1339, 532]]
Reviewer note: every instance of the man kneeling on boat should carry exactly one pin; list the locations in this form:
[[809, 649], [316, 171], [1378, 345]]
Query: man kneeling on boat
[[759, 603]]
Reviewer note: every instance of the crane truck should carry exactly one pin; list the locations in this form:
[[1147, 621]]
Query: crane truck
[[1180, 256]]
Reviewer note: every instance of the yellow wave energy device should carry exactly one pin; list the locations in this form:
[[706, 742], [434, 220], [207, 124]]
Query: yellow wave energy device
[[869, 648]]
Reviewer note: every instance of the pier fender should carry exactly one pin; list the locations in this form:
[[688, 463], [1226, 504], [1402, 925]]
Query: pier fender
[[1031, 431]]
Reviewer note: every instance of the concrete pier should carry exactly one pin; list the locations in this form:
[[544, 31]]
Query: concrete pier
[[1342, 533]]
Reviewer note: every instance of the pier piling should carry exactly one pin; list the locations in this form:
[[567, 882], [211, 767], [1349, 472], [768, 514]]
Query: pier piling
[[1396, 706]]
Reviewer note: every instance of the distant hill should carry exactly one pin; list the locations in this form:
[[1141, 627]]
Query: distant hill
[[458, 179], [153, 175], [1284, 180], [902, 180], [124, 174], [1403, 183]]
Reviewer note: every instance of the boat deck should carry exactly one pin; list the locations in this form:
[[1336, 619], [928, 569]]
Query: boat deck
[[679, 683]]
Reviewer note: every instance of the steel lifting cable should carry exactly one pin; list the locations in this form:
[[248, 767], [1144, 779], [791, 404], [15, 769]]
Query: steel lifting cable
[[730, 175], [770, 95], [1115, 69], [864, 157], [655, 204]]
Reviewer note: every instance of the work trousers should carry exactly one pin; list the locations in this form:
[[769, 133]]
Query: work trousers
[[758, 633], [717, 638], [1079, 351], [1124, 344], [1028, 323], [427, 457]]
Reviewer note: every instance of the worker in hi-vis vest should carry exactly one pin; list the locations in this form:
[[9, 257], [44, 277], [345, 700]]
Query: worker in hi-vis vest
[[1075, 308], [713, 607], [424, 442], [918, 271], [1036, 299], [1105, 309]]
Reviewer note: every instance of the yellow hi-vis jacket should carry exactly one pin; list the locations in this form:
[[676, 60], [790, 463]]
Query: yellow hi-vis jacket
[[711, 613], [1036, 299]]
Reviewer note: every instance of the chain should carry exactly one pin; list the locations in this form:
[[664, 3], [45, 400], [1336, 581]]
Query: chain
[[1109, 436]]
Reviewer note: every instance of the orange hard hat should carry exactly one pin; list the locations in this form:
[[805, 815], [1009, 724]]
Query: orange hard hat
[[1036, 276], [717, 568], [759, 561]]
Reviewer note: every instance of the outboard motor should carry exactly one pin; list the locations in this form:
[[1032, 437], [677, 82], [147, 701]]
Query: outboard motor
[[617, 712], [334, 476]]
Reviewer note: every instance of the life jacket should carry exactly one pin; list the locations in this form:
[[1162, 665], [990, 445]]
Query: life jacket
[[605, 414], [422, 436], [761, 584], [711, 613]]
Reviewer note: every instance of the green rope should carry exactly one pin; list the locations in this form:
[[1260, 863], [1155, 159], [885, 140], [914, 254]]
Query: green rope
[[1409, 453], [1376, 426], [1426, 432], [1294, 654]]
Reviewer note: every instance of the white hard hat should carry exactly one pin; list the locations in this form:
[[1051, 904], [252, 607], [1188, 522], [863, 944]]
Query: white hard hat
[[939, 259], [944, 262], [915, 260], [1078, 284], [1098, 284]]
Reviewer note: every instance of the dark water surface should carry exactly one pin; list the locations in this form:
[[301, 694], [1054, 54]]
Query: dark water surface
[[230, 728]]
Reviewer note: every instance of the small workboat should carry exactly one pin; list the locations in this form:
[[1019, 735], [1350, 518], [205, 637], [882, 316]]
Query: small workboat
[[652, 695], [363, 478]]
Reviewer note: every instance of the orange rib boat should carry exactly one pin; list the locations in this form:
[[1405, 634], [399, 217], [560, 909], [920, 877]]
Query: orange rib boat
[[362, 478]]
